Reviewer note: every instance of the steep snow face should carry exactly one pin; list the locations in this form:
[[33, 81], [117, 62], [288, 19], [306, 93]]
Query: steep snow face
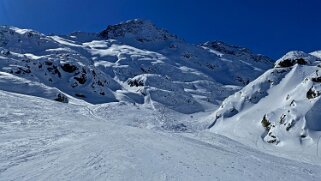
[[134, 61], [281, 107]]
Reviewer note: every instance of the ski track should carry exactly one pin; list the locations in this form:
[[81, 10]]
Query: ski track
[[318, 143]]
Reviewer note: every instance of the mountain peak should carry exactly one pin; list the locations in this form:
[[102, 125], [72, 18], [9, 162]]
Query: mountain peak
[[140, 30], [296, 57]]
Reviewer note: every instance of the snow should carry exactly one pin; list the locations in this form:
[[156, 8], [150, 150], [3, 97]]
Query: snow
[[280, 97], [295, 56], [316, 53], [13, 83], [21, 31], [97, 68], [45, 140], [134, 102], [65, 41]]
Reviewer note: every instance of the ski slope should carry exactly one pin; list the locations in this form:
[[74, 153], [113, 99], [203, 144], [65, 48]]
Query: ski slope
[[46, 140]]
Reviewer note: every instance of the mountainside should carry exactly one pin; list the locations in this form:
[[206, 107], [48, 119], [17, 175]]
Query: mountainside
[[281, 107], [134, 61]]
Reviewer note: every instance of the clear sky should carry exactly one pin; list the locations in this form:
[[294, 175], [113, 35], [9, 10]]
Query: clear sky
[[270, 27]]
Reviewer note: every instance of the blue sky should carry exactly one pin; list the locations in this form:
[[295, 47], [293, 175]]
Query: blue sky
[[270, 27]]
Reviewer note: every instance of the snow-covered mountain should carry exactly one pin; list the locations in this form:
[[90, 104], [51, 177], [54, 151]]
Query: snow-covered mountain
[[133, 102], [281, 107], [134, 61]]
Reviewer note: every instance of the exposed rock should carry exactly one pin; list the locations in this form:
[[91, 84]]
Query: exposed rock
[[312, 93], [61, 98], [69, 68]]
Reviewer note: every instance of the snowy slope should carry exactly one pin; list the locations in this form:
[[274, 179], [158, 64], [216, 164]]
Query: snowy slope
[[46, 140], [316, 53], [242, 60], [134, 61], [280, 109]]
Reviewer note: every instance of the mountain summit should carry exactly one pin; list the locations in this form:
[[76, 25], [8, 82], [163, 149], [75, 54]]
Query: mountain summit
[[140, 30]]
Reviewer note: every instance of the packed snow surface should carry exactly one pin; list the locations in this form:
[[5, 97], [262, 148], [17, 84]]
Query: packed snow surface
[[47, 140]]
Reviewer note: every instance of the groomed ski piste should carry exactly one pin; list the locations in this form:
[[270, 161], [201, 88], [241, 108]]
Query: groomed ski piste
[[47, 140]]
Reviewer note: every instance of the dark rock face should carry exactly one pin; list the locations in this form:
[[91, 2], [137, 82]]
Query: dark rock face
[[266, 123], [291, 62], [69, 68], [114, 30], [54, 70], [80, 95], [135, 83], [287, 63], [316, 79], [301, 61], [81, 79], [5, 52], [136, 27], [61, 98], [311, 94]]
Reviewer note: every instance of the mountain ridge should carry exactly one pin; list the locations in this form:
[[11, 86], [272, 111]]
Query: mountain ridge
[[117, 65]]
